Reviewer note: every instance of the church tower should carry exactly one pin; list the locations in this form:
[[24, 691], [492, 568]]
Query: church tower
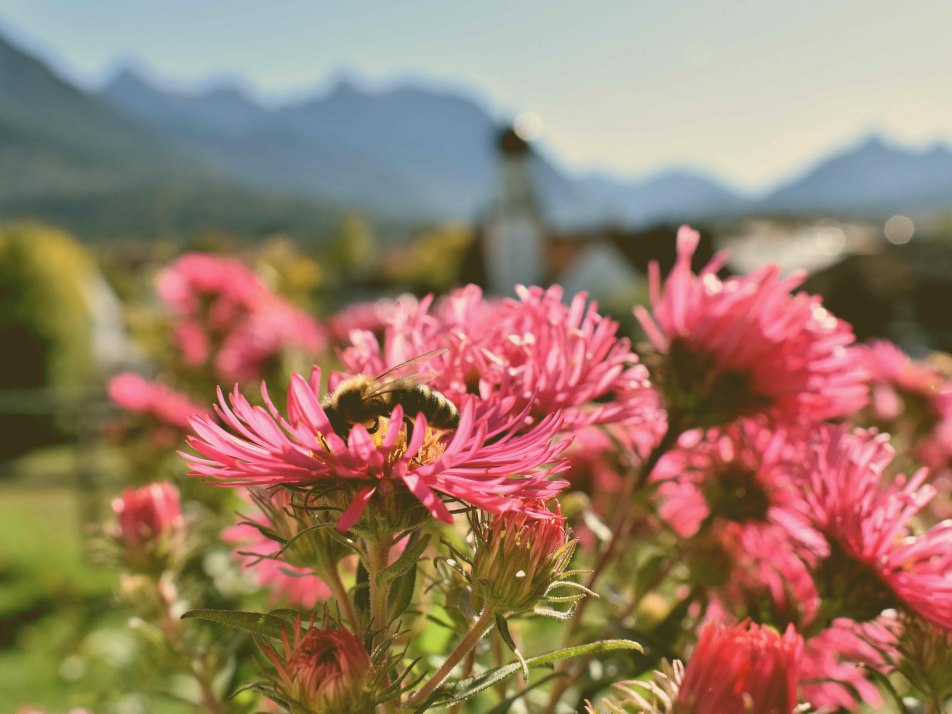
[[513, 233]]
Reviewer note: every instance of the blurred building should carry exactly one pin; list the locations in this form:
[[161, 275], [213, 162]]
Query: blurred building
[[516, 245]]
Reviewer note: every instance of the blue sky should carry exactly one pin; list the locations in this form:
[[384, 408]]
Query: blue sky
[[752, 91]]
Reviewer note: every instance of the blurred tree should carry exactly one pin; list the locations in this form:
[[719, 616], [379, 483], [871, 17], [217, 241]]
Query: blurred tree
[[45, 324], [432, 262], [352, 254], [288, 271]]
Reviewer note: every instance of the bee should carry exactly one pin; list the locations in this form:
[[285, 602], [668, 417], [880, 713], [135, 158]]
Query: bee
[[363, 399]]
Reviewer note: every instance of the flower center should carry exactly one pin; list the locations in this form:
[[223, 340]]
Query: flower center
[[736, 494]]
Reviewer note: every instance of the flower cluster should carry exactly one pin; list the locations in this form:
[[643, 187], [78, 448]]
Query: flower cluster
[[542, 354], [769, 558], [228, 318]]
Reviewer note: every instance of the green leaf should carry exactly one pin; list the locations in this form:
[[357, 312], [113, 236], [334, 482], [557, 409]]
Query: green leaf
[[408, 559], [401, 592], [888, 685], [455, 692], [503, 628], [257, 623], [506, 704], [362, 592]]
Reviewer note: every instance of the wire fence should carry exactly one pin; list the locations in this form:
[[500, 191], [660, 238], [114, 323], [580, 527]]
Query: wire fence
[[77, 423]]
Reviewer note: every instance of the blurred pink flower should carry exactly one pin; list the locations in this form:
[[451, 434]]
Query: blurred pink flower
[[298, 587], [140, 396], [198, 281], [149, 523], [911, 400], [831, 675], [745, 346], [547, 355], [270, 329], [742, 668], [746, 474], [370, 317], [877, 561], [226, 315], [471, 464]]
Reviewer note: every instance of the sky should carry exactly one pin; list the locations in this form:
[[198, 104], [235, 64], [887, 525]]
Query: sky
[[751, 91]]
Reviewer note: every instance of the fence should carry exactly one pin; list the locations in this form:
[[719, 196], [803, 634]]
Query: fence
[[80, 419]]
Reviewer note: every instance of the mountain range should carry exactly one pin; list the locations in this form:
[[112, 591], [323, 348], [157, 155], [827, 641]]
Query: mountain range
[[135, 158]]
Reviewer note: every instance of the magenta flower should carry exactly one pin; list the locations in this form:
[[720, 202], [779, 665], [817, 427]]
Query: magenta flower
[[140, 396], [228, 317], [744, 668], [745, 346], [472, 464], [876, 561], [370, 317], [546, 355]]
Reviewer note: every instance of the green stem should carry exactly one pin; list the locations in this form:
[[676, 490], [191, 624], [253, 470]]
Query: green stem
[[378, 555], [622, 527], [172, 631], [624, 521], [336, 585], [485, 622]]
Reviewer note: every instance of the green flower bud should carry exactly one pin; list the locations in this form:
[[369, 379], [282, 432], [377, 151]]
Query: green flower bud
[[520, 555]]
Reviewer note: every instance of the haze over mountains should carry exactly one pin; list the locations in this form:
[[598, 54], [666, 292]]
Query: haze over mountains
[[138, 158]]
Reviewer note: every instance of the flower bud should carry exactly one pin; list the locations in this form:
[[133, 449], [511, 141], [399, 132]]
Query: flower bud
[[520, 555], [150, 526], [744, 668], [304, 532], [323, 671]]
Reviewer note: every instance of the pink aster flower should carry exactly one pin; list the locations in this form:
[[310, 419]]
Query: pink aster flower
[[756, 572], [745, 345], [877, 560], [138, 395], [547, 355], [744, 668], [258, 446], [746, 474]]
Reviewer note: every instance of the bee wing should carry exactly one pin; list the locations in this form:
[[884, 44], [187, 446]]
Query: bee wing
[[397, 384], [409, 368]]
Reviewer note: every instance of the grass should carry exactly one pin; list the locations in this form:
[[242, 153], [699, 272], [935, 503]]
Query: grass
[[49, 593]]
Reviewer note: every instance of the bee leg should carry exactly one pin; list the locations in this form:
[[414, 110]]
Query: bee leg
[[375, 426], [408, 425]]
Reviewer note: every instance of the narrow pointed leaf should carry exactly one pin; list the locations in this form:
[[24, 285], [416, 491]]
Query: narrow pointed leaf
[[503, 628], [255, 622], [408, 559], [455, 692]]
